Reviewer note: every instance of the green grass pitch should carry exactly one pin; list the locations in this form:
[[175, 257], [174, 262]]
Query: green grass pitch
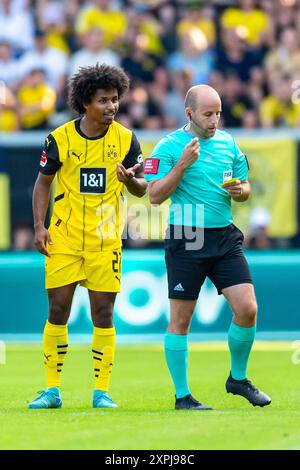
[[145, 418]]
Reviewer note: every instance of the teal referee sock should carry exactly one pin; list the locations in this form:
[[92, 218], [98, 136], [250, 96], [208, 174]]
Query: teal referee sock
[[240, 340], [176, 352]]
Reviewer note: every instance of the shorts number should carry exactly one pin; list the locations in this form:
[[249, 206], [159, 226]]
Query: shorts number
[[116, 262]]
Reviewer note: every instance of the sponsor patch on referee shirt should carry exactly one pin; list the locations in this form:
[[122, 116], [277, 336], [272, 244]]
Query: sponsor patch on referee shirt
[[151, 166]]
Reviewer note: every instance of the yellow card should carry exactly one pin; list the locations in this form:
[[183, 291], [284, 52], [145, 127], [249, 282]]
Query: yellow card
[[233, 180]]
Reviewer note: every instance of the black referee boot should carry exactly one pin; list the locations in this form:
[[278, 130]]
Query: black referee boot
[[247, 390], [190, 403]]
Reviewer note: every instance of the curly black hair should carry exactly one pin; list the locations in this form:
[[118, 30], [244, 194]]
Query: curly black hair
[[83, 86]]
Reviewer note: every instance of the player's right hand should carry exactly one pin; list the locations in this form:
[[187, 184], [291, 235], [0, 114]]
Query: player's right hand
[[191, 152], [42, 236]]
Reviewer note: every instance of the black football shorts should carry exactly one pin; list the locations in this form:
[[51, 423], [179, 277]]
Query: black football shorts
[[221, 259]]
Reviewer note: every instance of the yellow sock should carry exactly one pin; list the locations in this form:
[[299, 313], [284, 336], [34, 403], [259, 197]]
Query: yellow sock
[[55, 350], [103, 348]]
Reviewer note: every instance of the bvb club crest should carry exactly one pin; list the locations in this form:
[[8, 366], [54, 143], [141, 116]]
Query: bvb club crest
[[112, 152]]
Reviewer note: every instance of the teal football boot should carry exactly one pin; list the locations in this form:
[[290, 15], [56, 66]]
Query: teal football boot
[[103, 400], [48, 399]]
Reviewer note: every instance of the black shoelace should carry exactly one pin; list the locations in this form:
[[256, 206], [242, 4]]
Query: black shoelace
[[251, 386]]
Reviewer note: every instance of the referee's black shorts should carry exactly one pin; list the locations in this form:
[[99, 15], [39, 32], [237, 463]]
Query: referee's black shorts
[[221, 258]]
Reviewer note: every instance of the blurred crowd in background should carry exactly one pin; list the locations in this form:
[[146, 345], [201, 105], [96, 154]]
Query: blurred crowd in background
[[248, 50]]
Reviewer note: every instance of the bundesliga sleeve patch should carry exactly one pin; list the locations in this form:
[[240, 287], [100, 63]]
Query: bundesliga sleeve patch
[[43, 160], [151, 166]]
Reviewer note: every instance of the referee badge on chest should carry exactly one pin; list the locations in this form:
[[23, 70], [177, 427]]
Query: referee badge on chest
[[112, 153], [227, 175]]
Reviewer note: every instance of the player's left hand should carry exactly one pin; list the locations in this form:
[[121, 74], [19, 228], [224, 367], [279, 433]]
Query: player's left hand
[[235, 189], [125, 175]]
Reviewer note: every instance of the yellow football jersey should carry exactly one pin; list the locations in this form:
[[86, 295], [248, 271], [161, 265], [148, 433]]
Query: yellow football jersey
[[88, 197], [42, 96], [250, 25]]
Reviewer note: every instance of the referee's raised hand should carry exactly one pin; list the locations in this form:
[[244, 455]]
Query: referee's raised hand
[[190, 153]]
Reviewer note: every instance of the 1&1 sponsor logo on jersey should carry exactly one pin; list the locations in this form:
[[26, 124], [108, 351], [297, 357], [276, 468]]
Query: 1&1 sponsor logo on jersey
[[92, 180]]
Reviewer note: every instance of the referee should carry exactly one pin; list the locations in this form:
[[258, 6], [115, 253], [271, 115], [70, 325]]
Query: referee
[[200, 169]]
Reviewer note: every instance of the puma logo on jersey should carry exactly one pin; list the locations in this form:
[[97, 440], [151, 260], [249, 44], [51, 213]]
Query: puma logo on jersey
[[77, 156]]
